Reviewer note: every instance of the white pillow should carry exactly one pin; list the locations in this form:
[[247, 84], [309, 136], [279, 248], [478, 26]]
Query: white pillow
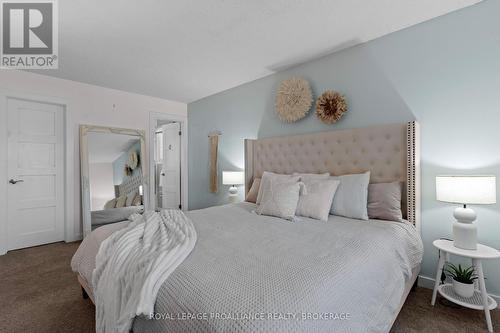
[[279, 198], [351, 198], [130, 198], [318, 200], [268, 176]]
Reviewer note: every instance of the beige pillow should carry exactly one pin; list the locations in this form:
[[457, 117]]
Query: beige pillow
[[110, 204], [120, 201], [137, 200], [130, 198], [279, 198], [384, 201], [254, 191], [317, 201], [268, 176]]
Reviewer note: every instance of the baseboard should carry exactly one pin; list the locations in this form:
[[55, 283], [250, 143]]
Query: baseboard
[[427, 282], [75, 238]]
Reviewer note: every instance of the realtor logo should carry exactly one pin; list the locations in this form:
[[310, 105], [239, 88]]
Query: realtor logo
[[29, 34]]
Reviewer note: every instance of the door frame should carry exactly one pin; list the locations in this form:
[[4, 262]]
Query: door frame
[[154, 117], [67, 158]]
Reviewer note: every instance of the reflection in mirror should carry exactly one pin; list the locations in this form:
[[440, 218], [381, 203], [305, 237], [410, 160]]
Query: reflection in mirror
[[167, 165], [112, 175]]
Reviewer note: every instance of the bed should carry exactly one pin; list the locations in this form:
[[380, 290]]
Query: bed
[[113, 215], [130, 184], [257, 273]]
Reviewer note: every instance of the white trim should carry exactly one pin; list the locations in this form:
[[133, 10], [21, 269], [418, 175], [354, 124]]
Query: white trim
[[425, 282], [183, 120], [428, 283], [84, 166], [3, 174], [68, 165]]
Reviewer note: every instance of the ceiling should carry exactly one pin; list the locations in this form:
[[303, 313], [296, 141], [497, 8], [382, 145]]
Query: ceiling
[[184, 50], [107, 147]]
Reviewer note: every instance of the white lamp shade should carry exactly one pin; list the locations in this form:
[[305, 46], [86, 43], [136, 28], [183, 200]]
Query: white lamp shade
[[233, 177], [466, 189]]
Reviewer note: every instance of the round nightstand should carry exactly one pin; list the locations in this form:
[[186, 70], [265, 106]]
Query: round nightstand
[[480, 300]]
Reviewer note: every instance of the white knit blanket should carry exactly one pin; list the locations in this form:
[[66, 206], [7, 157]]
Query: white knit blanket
[[133, 263]]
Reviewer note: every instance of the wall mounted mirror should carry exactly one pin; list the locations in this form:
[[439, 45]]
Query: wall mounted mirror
[[113, 175]]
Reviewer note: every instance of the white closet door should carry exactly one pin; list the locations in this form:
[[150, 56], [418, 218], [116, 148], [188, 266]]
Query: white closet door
[[35, 174], [171, 167]]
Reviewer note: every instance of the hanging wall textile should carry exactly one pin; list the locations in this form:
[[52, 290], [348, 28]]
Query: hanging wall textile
[[214, 142], [293, 100], [330, 106]]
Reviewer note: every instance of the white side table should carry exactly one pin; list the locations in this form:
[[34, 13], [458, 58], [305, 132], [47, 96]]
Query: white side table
[[480, 300]]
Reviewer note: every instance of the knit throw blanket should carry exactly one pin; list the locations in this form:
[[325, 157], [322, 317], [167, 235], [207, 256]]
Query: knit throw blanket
[[133, 263]]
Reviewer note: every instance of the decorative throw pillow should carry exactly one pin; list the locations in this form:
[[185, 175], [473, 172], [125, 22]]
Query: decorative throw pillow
[[384, 201], [268, 176], [130, 198], [279, 198], [110, 204], [120, 201], [254, 191], [137, 200], [351, 198], [317, 202]]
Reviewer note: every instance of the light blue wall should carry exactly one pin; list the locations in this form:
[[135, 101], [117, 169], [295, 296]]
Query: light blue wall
[[119, 164], [445, 73]]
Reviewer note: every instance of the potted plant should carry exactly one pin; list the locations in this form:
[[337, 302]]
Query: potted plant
[[463, 279]]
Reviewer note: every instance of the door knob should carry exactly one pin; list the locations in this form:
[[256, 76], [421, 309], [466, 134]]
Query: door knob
[[12, 181]]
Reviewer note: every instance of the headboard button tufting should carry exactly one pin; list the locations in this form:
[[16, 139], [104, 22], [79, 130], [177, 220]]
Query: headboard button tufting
[[390, 152]]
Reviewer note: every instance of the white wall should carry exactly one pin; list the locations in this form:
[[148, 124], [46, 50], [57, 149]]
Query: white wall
[[102, 188], [85, 104]]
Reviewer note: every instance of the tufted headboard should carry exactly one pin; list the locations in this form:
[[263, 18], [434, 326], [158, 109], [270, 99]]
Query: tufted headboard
[[390, 152], [130, 183]]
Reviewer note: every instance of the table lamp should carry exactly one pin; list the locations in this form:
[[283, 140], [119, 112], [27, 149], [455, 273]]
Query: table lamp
[[464, 190], [233, 178]]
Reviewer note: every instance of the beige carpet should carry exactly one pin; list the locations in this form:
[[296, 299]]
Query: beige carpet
[[39, 293]]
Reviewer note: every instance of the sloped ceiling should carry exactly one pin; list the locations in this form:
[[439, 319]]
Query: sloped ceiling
[[186, 50]]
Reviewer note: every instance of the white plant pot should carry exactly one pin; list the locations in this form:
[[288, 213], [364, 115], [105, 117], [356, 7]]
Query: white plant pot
[[463, 289]]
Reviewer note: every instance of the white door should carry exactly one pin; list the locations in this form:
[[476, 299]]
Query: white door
[[170, 175], [35, 174]]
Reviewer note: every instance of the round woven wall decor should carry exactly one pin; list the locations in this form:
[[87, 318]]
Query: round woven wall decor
[[293, 100], [133, 159], [330, 106]]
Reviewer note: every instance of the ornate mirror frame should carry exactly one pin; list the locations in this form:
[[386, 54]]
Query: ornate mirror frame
[[84, 167]]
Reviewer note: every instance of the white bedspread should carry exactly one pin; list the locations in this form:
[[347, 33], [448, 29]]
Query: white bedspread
[[133, 263], [244, 264]]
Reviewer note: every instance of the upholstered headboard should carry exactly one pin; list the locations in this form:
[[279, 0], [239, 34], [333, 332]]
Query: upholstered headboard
[[130, 183], [390, 152]]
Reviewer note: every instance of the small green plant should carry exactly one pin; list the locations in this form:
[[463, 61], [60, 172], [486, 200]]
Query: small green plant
[[463, 275]]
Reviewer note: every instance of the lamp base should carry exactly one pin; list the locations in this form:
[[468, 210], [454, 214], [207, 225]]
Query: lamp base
[[233, 194], [233, 191], [464, 231]]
